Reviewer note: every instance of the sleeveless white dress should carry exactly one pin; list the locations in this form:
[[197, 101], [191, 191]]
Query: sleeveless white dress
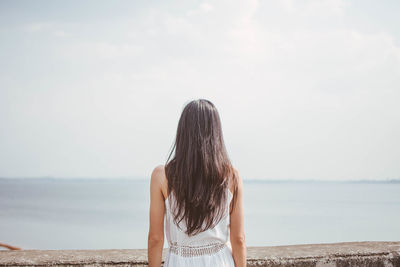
[[209, 248]]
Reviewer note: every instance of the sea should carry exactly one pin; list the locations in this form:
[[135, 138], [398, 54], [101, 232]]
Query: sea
[[50, 213]]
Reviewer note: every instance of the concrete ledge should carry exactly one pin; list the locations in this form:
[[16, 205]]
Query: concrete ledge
[[318, 255]]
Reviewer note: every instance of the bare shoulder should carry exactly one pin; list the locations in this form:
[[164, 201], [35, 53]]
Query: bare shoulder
[[236, 179], [159, 179], [238, 176], [158, 170], [236, 171]]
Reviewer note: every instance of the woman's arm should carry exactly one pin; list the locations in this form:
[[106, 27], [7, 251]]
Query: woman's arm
[[238, 240], [157, 210]]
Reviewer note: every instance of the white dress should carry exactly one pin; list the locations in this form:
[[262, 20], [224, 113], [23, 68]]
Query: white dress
[[209, 248]]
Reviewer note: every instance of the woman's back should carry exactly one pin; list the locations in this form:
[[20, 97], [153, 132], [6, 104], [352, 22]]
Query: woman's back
[[208, 248]]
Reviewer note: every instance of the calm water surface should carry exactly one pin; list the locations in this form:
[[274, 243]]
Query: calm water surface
[[102, 214]]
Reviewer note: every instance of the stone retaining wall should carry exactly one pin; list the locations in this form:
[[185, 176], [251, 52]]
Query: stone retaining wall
[[318, 255]]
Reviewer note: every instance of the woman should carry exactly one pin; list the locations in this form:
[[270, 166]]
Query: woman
[[200, 194]]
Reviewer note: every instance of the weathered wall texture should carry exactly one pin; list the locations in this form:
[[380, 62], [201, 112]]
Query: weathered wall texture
[[318, 255]]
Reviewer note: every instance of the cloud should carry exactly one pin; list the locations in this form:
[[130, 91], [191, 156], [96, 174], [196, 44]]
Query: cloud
[[51, 28], [302, 92], [99, 51], [37, 27], [206, 7], [313, 7], [60, 33]]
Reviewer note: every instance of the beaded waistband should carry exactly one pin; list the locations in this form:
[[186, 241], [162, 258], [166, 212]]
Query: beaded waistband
[[193, 251]]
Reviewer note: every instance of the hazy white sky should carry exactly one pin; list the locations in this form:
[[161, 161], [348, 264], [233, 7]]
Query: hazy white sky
[[305, 89]]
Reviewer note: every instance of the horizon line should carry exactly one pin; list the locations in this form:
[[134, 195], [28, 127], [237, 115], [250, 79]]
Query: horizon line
[[142, 178]]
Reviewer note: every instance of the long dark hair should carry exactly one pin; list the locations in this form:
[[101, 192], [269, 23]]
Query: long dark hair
[[200, 171]]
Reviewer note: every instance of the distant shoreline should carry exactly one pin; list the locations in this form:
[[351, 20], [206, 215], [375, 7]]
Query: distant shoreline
[[141, 179]]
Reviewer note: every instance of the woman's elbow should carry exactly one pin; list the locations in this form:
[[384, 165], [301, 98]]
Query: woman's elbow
[[155, 240], [239, 241]]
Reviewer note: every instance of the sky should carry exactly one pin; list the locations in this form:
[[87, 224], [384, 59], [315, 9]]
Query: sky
[[306, 89]]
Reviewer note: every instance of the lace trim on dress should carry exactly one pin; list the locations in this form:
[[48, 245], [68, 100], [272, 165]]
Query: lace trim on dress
[[193, 251]]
